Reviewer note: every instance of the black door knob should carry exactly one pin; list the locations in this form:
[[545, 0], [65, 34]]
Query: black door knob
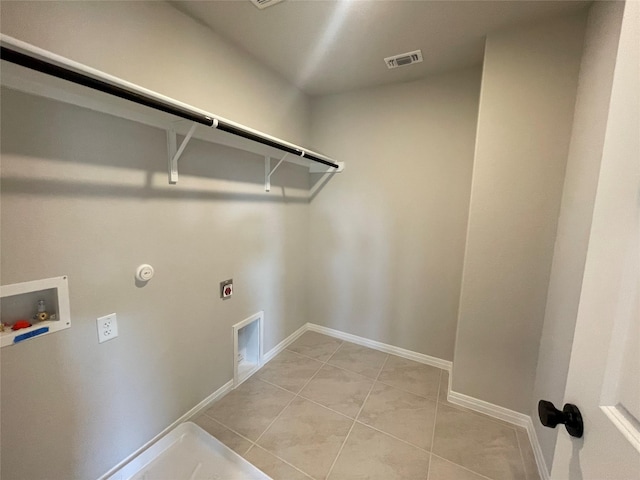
[[570, 416]]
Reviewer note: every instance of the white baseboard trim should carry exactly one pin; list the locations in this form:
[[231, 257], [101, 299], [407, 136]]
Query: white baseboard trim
[[223, 390], [477, 405], [383, 347], [284, 344], [495, 411], [510, 416], [537, 451]]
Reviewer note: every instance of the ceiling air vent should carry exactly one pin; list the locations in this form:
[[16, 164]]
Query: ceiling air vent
[[403, 59], [264, 3]]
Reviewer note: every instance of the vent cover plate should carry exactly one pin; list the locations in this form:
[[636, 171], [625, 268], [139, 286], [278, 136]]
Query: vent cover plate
[[403, 59], [264, 3]]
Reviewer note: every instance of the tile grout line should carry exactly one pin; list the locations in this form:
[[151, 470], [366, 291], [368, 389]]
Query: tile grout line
[[435, 419], [300, 396], [434, 435], [407, 391], [309, 399], [295, 395], [524, 468], [312, 358], [437, 399], [279, 458], [326, 362], [334, 352], [392, 436], [281, 388], [303, 355], [230, 429], [252, 444], [344, 414], [376, 379], [347, 370], [255, 444], [307, 382], [356, 419], [460, 466], [328, 408]]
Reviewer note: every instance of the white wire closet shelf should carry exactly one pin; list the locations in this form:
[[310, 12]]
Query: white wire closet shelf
[[36, 71]]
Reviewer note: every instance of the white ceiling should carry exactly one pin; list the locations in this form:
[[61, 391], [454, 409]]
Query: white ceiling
[[331, 46]]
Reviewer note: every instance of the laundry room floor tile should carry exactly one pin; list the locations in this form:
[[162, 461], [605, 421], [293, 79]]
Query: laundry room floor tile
[[374, 455], [273, 466], [441, 469], [324, 408], [315, 345], [479, 444], [338, 389], [414, 377], [358, 359], [529, 459], [231, 439], [250, 408], [404, 415], [289, 371], [308, 436]]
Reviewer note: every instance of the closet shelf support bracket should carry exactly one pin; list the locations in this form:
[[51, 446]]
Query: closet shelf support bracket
[[268, 172], [176, 152]]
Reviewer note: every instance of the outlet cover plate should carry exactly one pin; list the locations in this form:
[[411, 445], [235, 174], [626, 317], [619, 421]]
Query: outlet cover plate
[[226, 289], [107, 327]]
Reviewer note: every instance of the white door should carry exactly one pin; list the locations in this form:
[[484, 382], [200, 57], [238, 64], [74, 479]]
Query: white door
[[604, 373]]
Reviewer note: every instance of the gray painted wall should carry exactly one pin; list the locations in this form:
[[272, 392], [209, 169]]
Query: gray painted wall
[[576, 212], [524, 125], [152, 44], [387, 235], [86, 195], [381, 246]]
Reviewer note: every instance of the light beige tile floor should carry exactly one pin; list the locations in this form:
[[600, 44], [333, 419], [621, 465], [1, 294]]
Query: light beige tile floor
[[327, 409]]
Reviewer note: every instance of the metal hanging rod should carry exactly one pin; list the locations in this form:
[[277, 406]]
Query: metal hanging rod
[[81, 79], [60, 71], [225, 127]]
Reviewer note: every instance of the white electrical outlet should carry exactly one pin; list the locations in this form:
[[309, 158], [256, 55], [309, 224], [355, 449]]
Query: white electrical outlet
[[107, 327]]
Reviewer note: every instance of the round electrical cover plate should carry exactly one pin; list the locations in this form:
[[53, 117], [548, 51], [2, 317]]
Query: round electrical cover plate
[[144, 272]]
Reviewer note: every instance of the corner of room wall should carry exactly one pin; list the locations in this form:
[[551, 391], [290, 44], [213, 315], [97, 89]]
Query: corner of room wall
[[524, 125], [387, 234]]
